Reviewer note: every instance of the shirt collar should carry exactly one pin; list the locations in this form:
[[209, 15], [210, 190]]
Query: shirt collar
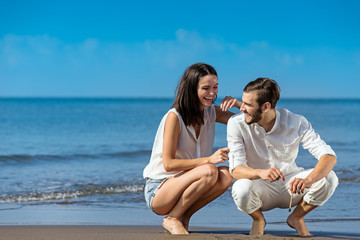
[[276, 124]]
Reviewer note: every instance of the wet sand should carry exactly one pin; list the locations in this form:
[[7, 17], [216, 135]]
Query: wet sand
[[145, 232]]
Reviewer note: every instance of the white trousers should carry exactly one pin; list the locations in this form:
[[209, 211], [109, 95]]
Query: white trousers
[[251, 195]]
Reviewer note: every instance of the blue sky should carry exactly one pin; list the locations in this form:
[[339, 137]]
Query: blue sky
[[141, 48]]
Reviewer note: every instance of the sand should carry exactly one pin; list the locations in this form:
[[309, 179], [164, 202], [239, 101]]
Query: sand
[[143, 233]]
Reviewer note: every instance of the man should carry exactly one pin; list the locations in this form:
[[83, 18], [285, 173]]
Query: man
[[264, 143]]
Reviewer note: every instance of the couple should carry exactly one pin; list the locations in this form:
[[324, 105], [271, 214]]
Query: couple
[[182, 176]]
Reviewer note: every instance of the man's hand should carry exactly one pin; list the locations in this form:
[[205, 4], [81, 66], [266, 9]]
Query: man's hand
[[322, 169], [298, 185], [271, 174]]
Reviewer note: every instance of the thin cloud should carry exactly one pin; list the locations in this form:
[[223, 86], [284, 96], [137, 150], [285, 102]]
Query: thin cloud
[[54, 64], [187, 45]]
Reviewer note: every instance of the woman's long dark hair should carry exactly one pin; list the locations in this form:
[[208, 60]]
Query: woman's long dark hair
[[187, 102]]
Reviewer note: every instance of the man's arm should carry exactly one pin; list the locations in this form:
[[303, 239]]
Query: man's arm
[[237, 157], [320, 150], [271, 174], [322, 169]]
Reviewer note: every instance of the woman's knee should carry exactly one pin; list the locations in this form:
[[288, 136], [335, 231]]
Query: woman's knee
[[225, 177], [208, 170], [208, 173]]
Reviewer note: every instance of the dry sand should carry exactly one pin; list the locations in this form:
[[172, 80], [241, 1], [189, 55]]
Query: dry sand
[[143, 233]]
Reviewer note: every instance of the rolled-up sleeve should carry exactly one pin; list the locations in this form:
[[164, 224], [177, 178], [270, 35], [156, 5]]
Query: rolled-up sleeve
[[237, 154], [312, 141]]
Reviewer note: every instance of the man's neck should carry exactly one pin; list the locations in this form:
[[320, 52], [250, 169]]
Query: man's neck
[[268, 120]]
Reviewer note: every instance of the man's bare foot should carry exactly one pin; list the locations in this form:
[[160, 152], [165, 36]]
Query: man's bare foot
[[299, 225], [174, 226], [257, 228]]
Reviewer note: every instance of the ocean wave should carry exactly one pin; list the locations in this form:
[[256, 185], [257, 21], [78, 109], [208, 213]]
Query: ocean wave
[[66, 195], [128, 154], [348, 175], [350, 179], [30, 158]]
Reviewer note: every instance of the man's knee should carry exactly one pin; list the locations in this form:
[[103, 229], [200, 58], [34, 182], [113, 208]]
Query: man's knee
[[322, 190], [245, 198], [331, 182]]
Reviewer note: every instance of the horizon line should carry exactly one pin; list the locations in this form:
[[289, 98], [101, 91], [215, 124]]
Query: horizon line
[[157, 97]]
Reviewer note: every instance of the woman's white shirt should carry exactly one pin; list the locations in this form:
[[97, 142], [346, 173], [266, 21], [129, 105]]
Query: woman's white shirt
[[189, 147]]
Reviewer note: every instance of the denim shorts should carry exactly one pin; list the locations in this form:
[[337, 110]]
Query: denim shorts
[[151, 186]]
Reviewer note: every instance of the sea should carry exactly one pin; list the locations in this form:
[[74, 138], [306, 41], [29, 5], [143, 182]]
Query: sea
[[79, 161]]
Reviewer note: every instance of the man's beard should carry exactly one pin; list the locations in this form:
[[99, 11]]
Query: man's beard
[[256, 117]]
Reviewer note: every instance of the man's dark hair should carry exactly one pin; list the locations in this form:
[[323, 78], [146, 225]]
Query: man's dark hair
[[267, 90]]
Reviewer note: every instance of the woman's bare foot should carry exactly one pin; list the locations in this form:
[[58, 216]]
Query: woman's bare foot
[[174, 226], [185, 223], [299, 225], [257, 228]]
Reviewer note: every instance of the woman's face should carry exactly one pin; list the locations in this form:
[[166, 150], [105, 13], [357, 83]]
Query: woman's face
[[207, 90]]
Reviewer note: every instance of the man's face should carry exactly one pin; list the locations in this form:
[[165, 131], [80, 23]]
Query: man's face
[[251, 108]]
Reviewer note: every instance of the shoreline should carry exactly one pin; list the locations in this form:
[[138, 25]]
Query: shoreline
[[215, 219], [109, 232]]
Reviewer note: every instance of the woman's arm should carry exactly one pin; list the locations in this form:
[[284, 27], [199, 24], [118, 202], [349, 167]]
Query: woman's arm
[[222, 112], [171, 136]]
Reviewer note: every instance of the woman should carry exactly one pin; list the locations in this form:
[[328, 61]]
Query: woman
[[181, 177]]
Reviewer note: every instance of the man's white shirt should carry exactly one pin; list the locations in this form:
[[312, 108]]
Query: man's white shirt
[[250, 145]]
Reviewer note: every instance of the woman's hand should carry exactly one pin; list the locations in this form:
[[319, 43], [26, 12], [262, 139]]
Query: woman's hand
[[220, 156], [229, 102], [222, 113]]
